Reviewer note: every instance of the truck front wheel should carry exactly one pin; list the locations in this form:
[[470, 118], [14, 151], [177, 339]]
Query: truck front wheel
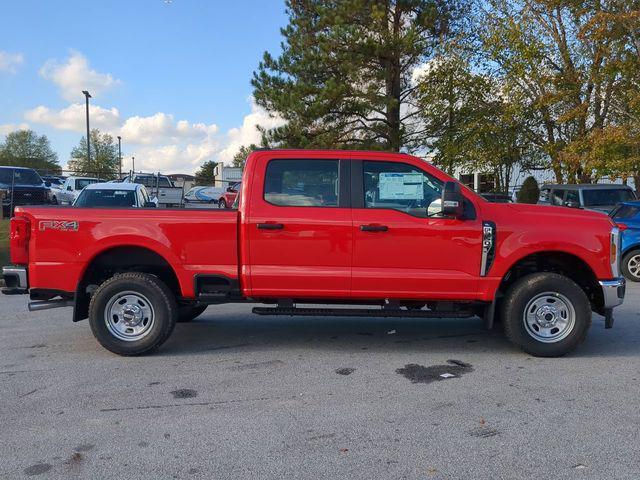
[[132, 313], [546, 314]]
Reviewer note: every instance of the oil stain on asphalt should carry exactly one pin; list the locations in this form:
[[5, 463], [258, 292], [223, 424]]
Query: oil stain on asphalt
[[184, 393], [435, 373], [345, 371]]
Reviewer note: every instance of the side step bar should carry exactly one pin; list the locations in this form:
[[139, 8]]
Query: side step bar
[[360, 312]]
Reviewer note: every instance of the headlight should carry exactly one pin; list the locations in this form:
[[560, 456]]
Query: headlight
[[614, 251]]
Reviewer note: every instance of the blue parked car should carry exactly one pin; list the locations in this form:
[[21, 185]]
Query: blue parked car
[[627, 216]]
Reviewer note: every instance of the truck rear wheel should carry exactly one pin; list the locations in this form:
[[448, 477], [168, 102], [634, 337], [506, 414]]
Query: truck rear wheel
[[546, 314], [132, 313]]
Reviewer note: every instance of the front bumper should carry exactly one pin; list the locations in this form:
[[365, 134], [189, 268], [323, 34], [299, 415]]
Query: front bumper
[[613, 292], [16, 280]]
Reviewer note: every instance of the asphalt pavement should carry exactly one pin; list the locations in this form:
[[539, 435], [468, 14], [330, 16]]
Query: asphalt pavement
[[234, 395]]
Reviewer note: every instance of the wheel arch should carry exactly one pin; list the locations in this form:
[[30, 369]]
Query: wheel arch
[[563, 263], [117, 259]]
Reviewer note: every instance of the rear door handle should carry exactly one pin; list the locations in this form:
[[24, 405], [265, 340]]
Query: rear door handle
[[270, 226], [374, 228]]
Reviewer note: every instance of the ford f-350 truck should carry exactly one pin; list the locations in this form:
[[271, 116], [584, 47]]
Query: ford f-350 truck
[[385, 234]]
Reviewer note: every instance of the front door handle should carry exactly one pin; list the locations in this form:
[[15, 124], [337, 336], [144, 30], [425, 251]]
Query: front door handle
[[374, 228], [270, 226]]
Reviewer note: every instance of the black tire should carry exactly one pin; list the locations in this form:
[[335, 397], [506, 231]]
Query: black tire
[[626, 268], [534, 288], [222, 203], [161, 301], [186, 313]]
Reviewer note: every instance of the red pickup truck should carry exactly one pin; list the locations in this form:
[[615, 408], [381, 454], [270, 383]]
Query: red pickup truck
[[387, 234]]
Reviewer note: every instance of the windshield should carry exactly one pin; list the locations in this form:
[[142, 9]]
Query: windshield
[[22, 177], [625, 211], [106, 198], [83, 182], [604, 197]]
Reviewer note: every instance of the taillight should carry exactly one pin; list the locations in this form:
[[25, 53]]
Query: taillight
[[19, 240]]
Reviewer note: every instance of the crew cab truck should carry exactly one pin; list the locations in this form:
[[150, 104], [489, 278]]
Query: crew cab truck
[[388, 234]]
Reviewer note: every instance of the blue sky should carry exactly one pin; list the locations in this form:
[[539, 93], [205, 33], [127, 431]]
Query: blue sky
[[171, 77]]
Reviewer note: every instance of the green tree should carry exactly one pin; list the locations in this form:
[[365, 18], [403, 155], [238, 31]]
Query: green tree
[[25, 148], [529, 192], [104, 161], [547, 53], [205, 175], [241, 157], [344, 76], [469, 123]]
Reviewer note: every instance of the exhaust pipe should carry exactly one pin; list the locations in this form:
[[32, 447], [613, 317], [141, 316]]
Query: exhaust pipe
[[48, 304]]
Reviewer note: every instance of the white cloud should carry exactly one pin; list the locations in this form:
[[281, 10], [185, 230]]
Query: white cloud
[[248, 133], [174, 158], [12, 127], [75, 75], [161, 128], [73, 117], [158, 142], [9, 62]]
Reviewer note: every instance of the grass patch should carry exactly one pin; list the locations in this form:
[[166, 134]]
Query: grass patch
[[4, 242]]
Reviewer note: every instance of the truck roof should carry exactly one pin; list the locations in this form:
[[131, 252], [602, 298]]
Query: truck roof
[[112, 186]]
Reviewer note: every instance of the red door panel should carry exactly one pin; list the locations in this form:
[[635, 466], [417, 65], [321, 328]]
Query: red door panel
[[415, 257], [298, 251]]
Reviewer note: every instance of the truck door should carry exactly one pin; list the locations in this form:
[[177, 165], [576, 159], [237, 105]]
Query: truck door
[[299, 228], [402, 249]]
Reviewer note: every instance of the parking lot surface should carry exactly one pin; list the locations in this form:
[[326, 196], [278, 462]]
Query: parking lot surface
[[233, 395]]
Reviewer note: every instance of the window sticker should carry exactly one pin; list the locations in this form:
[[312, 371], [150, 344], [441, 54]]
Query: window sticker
[[400, 186]]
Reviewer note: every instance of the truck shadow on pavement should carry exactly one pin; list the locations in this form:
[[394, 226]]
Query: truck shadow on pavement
[[225, 331]]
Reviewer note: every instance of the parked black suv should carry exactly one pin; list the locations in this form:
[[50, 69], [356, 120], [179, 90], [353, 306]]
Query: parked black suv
[[600, 197], [23, 186]]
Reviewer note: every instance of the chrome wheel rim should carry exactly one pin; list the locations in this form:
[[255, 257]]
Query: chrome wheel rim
[[633, 265], [129, 316], [549, 317]]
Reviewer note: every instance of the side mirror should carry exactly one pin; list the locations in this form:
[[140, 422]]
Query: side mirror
[[150, 205], [47, 184], [571, 204], [231, 189], [69, 188], [452, 200]]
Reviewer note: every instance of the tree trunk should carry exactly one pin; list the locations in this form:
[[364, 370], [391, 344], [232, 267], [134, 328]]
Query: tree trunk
[[394, 87]]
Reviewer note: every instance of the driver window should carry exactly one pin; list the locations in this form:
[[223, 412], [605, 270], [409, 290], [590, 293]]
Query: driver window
[[401, 187]]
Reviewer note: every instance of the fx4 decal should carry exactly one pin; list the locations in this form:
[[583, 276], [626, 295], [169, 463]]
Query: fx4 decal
[[60, 225]]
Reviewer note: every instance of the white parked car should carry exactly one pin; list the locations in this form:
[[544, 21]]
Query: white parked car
[[71, 189], [158, 186], [115, 195]]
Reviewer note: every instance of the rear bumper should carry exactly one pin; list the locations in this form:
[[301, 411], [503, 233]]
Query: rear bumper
[[613, 292], [16, 280]]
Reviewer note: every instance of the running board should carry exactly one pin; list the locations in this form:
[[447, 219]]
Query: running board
[[360, 312]]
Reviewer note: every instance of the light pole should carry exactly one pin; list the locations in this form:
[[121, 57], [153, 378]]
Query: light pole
[[119, 157], [87, 96], [133, 164]]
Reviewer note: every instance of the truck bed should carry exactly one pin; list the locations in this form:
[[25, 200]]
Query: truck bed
[[64, 241]]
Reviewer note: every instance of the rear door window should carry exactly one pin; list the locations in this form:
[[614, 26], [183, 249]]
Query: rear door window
[[302, 183]]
